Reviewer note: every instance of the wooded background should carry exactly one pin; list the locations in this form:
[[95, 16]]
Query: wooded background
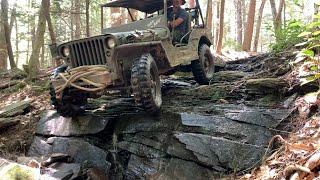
[[28, 26]]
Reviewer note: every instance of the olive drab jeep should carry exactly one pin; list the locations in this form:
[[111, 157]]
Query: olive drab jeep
[[130, 58]]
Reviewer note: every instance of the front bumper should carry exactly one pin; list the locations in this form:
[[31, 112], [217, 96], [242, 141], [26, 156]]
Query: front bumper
[[87, 78]]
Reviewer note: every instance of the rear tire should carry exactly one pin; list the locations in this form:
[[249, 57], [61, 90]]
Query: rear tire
[[203, 68], [145, 83]]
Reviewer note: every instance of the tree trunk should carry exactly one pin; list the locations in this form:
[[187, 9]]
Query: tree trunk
[[4, 15], [17, 41], [34, 58], [77, 19], [87, 18], [209, 16], [217, 25], [258, 27], [12, 18], [238, 6], [273, 9], [277, 17], [246, 46], [220, 36], [71, 20], [42, 63], [277, 21], [3, 49], [50, 27]]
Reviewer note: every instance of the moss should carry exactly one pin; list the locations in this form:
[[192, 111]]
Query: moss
[[16, 172]]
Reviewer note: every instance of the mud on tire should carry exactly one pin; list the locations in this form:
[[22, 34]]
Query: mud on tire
[[203, 68], [145, 83], [69, 105]]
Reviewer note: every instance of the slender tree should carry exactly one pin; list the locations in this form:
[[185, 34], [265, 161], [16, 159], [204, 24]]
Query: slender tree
[[258, 27], [238, 14], [220, 36], [87, 18], [4, 15], [276, 14], [217, 22], [209, 15], [3, 49], [77, 19], [17, 40], [246, 46], [33, 67], [50, 26]]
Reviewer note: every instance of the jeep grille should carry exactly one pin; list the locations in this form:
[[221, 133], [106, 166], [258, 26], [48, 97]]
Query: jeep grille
[[88, 52]]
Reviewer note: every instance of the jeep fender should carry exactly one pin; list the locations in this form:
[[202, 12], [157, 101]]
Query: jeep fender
[[218, 61], [127, 53]]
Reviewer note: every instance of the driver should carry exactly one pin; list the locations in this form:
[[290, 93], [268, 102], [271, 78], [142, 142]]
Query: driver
[[178, 20]]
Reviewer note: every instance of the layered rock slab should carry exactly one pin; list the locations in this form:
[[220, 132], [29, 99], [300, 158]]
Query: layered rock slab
[[79, 150], [52, 124]]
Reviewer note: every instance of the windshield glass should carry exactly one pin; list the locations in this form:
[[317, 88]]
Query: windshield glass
[[114, 17]]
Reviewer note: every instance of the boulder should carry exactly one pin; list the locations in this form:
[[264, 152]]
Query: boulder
[[7, 122], [10, 170], [52, 124], [228, 76], [220, 126], [264, 117], [15, 109], [221, 153], [62, 171], [160, 168], [79, 150]]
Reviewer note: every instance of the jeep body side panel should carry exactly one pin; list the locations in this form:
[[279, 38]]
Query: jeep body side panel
[[183, 55]]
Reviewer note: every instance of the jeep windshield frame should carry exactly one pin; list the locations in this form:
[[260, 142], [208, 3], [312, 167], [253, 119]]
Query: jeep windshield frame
[[144, 6]]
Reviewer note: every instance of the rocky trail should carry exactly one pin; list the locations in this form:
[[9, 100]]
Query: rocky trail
[[202, 132]]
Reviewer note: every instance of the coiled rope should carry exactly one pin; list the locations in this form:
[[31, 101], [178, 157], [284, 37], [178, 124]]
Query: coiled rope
[[82, 73]]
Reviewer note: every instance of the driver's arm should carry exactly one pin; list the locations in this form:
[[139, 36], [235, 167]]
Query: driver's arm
[[176, 22]]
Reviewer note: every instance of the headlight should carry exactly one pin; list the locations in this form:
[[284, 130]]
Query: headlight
[[111, 43], [65, 52]]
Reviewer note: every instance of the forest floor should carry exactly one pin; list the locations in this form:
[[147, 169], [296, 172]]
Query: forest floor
[[264, 81]]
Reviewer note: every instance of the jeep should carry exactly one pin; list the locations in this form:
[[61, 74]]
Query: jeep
[[130, 58]]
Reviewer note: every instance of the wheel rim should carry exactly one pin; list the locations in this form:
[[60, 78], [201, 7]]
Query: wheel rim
[[155, 86], [208, 65]]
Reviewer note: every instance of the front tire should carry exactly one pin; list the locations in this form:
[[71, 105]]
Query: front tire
[[145, 82], [70, 105], [203, 68]]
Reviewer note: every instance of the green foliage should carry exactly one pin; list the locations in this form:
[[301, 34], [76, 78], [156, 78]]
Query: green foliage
[[289, 36], [232, 44], [311, 52]]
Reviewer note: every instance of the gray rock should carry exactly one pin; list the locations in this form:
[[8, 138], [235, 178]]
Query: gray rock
[[15, 109], [7, 122], [143, 168], [220, 126], [40, 147], [79, 150], [51, 123], [140, 149], [253, 115], [61, 171], [162, 169], [221, 153], [165, 122], [228, 76], [184, 170]]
